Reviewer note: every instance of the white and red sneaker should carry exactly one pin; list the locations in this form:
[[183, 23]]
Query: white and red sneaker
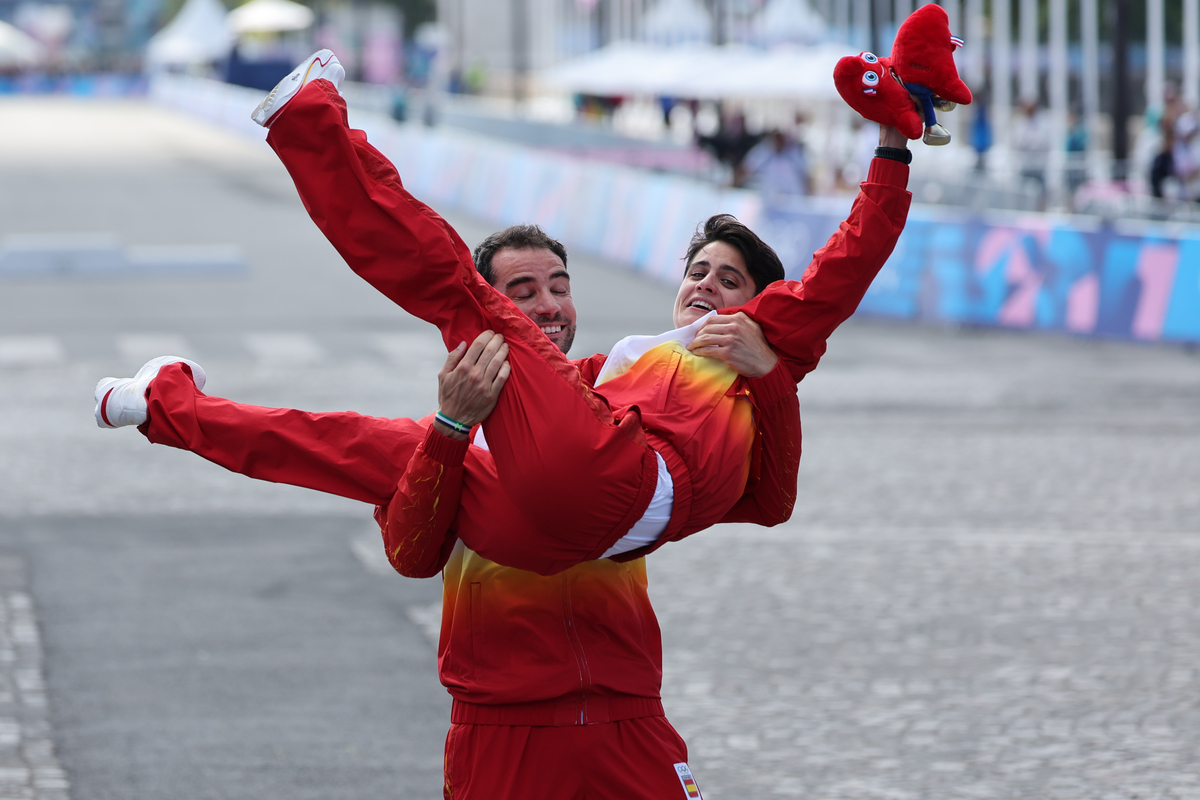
[[321, 64], [122, 401]]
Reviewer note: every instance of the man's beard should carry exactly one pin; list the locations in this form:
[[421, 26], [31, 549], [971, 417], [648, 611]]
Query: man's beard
[[567, 333]]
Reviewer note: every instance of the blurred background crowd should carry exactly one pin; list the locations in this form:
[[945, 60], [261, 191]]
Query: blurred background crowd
[[1080, 105]]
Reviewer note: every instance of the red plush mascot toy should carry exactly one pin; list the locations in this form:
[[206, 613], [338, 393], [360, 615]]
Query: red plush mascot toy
[[923, 61], [865, 82]]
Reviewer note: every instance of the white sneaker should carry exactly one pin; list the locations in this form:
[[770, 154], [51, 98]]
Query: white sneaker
[[122, 401], [321, 64]]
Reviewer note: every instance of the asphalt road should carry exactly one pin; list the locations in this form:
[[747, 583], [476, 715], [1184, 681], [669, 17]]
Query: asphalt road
[[989, 588]]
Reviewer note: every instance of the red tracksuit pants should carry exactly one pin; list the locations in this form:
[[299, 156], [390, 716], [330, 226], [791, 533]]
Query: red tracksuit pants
[[344, 453], [581, 476], [634, 759]]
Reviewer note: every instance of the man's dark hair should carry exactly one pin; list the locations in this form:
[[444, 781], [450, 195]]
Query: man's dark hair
[[518, 237], [764, 266]]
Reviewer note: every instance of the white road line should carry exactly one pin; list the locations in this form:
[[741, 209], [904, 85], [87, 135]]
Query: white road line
[[284, 348], [141, 347], [30, 351], [411, 349], [428, 619], [369, 549]]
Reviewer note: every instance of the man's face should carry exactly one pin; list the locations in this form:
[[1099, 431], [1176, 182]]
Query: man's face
[[537, 281], [716, 278]]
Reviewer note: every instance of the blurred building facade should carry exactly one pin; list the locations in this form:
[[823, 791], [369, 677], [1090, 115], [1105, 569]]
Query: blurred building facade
[[87, 34], [498, 41]]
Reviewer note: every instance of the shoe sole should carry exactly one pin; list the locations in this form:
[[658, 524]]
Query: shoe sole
[[274, 103]]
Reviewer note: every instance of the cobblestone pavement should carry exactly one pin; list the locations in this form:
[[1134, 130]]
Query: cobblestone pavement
[[988, 589], [29, 768], [935, 664]]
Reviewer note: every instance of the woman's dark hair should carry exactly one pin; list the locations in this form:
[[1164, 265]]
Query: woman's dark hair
[[518, 237], [764, 266]]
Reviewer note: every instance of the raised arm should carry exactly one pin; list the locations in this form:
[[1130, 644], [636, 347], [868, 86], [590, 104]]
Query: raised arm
[[799, 316]]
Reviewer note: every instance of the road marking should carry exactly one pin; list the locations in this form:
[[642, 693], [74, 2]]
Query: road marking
[[31, 769], [428, 618], [369, 550], [141, 347], [410, 349], [30, 351], [284, 348]]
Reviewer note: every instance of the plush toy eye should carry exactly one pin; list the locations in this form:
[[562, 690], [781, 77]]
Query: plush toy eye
[[870, 78], [870, 58]]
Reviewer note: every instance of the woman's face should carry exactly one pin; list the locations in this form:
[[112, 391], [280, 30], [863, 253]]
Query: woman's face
[[716, 278]]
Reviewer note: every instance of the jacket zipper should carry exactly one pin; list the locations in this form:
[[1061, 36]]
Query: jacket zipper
[[581, 662]]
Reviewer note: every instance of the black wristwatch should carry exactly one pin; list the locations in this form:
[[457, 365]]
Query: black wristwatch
[[901, 154]]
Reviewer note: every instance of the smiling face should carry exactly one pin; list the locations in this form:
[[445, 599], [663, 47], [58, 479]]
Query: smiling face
[[537, 281], [716, 278]]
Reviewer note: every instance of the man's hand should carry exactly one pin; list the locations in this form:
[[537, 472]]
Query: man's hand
[[470, 381], [738, 341]]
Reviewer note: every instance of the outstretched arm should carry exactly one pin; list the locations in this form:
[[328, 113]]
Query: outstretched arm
[[799, 316]]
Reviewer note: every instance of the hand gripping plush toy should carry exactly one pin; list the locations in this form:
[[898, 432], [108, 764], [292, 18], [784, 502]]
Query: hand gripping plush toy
[[922, 63]]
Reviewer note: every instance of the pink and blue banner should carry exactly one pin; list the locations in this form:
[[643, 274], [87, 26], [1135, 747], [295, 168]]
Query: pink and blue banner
[[1029, 272]]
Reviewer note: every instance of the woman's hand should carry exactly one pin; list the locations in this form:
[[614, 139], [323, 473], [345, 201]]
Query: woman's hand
[[739, 342]]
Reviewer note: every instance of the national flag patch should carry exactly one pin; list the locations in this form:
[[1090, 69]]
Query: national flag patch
[[690, 789]]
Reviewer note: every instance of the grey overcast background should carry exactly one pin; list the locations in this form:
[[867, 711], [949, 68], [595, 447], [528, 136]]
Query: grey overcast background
[[989, 588]]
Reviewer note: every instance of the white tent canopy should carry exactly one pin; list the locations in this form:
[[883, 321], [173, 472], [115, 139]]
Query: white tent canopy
[[19, 49], [676, 21], [197, 35], [270, 16], [701, 72], [789, 21]]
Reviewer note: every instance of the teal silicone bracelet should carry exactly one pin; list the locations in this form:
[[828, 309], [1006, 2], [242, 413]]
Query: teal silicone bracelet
[[452, 424]]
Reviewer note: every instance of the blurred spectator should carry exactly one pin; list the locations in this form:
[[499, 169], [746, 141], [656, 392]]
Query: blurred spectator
[[778, 167], [1185, 156], [1162, 168], [981, 135], [1031, 141], [730, 143], [1077, 143]]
